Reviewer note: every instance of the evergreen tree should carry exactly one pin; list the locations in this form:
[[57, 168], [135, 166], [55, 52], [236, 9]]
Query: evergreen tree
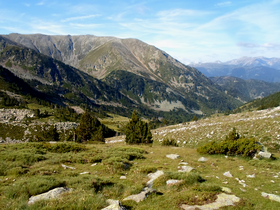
[[137, 131], [85, 129]]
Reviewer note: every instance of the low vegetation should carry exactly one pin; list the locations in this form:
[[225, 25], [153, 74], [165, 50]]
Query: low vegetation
[[232, 145]]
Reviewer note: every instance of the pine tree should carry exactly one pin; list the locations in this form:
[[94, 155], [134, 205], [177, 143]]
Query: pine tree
[[137, 131]]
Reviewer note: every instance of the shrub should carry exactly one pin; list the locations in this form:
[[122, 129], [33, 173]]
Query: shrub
[[232, 145], [169, 142], [63, 147], [137, 131]]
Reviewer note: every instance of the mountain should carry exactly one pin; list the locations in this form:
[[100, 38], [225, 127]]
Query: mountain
[[72, 67], [246, 90], [258, 68]]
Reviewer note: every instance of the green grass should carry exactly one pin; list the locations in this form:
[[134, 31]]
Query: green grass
[[32, 168]]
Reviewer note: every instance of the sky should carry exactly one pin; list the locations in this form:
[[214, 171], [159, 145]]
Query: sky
[[190, 31]]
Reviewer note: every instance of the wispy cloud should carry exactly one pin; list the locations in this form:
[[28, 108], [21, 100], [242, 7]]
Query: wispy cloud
[[41, 3], [80, 18], [224, 4]]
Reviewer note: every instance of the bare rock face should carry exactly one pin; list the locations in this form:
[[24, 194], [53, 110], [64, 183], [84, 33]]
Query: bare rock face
[[271, 196], [141, 196], [52, 194]]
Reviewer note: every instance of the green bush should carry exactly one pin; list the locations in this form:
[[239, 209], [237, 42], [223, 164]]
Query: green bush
[[169, 142], [232, 145]]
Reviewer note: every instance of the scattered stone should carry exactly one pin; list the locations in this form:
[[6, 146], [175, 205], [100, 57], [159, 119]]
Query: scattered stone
[[227, 174], [173, 181], [225, 182], [202, 159], [251, 176], [226, 190], [222, 200], [55, 193], [241, 168], [86, 172], [183, 163], [186, 169], [153, 177], [226, 156], [243, 190], [141, 196], [123, 177], [114, 205], [65, 167], [272, 181], [173, 156], [94, 164], [265, 155], [271, 196], [217, 177]]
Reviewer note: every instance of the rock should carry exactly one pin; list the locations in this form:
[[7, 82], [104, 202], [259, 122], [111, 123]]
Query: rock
[[251, 176], [173, 156], [94, 164], [123, 177], [141, 196], [265, 155], [226, 190], [202, 159], [173, 181], [183, 163], [271, 196], [227, 174], [114, 205], [55, 193], [222, 200], [153, 177], [86, 172], [65, 167], [186, 169], [243, 190]]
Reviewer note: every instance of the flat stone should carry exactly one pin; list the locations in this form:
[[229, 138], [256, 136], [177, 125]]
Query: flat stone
[[123, 177], [265, 154], [54, 193], [173, 156], [251, 176], [86, 172], [186, 169], [222, 200], [173, 181], [141, 196], [153, 177], [114, 205], [202, 159], [227, 174], [271, 196], [65, 167], [183, 163], [94, 164]]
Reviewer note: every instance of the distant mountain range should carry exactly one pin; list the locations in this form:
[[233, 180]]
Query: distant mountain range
[[112, 74], [259, 68]]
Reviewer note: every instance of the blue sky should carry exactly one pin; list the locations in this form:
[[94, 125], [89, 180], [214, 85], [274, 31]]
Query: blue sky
[[190, 31]]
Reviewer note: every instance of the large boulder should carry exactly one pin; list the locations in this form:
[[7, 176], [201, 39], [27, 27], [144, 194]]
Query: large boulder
[[52, 194]]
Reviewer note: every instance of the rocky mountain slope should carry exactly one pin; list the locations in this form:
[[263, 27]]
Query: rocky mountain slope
[[102, 56], [246, 90], [259, 68]]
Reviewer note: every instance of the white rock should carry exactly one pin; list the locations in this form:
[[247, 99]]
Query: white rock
[[94, 164], [251, 176], [54, 193], [86, 172], [202, 159], [227, 174], [183, 163], [153, 177], [65, 166], [271, 196], [226, 190], [265, 154], [173, 156], [173, 181], [123, 177], [186, 169]]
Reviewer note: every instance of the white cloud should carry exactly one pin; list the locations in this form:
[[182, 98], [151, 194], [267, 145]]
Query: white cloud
[[80, 18], [224, 4]]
